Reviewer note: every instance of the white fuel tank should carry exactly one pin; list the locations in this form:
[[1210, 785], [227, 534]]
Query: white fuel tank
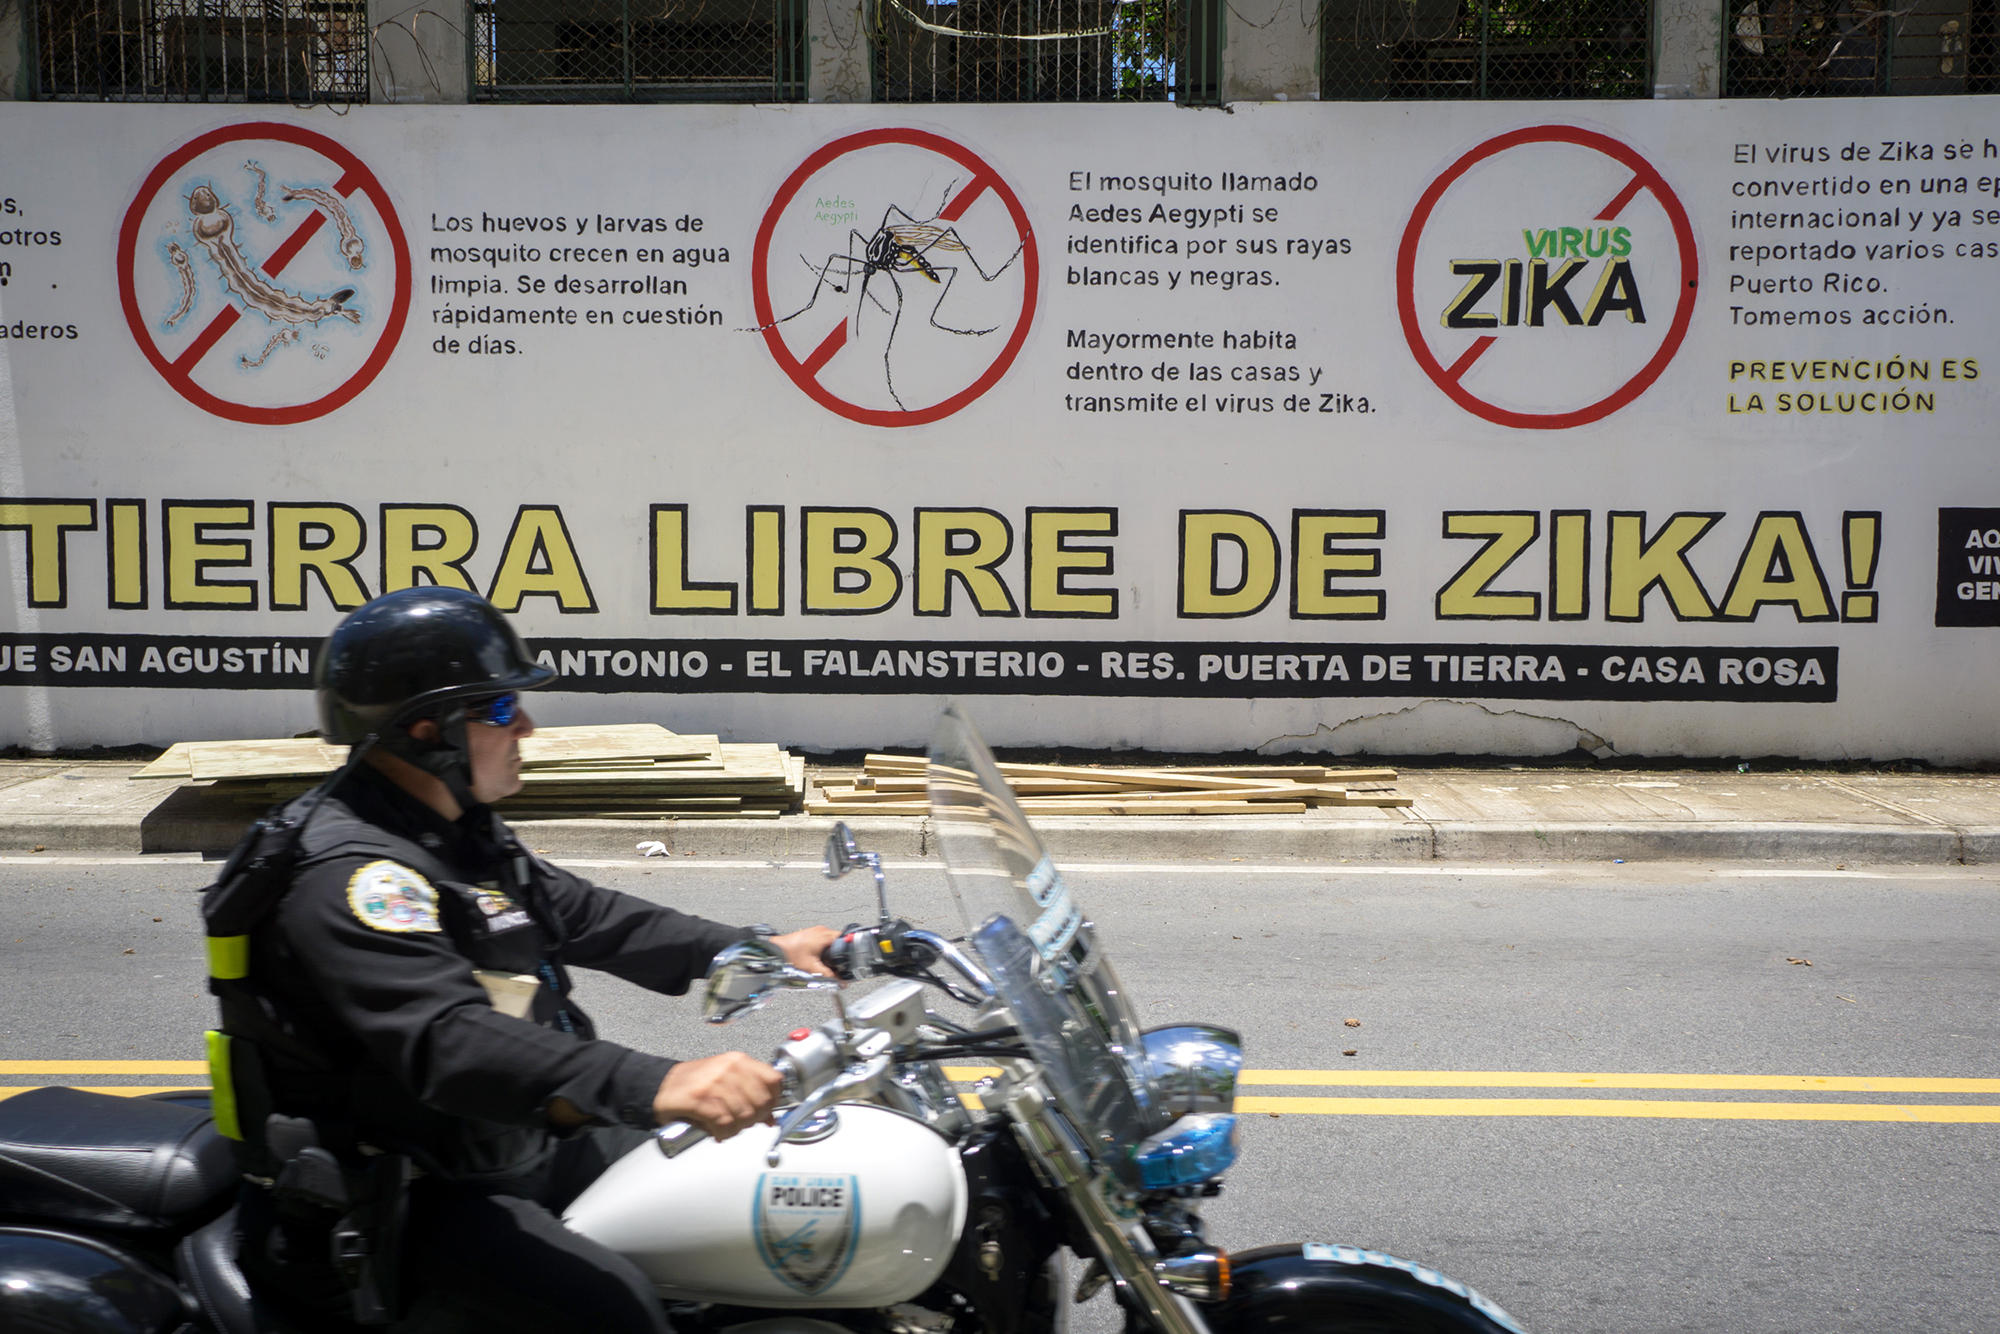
[[867, 1216]]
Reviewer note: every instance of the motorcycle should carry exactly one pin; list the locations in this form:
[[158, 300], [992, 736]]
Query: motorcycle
[[887, 1201]]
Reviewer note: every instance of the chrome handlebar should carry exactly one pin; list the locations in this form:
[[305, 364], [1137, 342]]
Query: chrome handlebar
[[847, 1061]]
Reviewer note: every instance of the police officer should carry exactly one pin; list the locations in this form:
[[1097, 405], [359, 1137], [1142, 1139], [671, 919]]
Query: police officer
[[406, 1000]]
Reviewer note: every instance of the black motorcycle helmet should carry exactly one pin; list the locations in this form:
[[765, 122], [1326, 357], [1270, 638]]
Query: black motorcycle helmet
[[419, 653]]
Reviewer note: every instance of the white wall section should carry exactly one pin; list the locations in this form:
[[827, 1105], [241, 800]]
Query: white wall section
[[1654, 427]]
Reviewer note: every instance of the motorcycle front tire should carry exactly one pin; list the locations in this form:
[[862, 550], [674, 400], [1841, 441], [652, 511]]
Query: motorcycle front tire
[[1312, 1289]]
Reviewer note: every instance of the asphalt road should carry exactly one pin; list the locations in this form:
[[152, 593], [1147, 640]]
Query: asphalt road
[[1718, 1183]]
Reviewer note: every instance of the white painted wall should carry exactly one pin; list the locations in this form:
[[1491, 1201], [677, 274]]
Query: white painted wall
[[1545, 524]]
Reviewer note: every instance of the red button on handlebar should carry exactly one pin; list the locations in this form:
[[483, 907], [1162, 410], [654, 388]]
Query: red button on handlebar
[[798, 1035]]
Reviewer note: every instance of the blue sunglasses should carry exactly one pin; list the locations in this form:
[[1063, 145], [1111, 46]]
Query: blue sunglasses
[[497, 711]]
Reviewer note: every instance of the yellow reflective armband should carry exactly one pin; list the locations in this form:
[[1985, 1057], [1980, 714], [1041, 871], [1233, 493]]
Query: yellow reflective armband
[[228, 957], [222, 1093]]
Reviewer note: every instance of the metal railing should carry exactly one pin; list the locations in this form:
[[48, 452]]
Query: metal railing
[[1440, 49], [1047, 51], [626, 51], [1834, 48], [298, 51]]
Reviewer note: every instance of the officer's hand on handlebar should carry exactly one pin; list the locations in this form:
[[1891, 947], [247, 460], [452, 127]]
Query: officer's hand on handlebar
[[721, 1094], [803, 948]]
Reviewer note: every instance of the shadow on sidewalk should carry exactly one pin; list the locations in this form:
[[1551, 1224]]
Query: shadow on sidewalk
[[195, 819]]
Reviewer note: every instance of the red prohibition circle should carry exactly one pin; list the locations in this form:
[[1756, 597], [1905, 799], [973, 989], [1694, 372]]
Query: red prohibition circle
[[804, 372], [179, 373], [1644, 177]]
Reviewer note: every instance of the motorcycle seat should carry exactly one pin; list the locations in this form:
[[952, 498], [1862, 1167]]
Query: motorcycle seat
[[139, 1165]]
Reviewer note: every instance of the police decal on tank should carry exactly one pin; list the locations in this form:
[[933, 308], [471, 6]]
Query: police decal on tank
[[388, 897], [806, 1226]]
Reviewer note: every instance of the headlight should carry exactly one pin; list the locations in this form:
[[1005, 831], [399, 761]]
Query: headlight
[[1192, 1150]]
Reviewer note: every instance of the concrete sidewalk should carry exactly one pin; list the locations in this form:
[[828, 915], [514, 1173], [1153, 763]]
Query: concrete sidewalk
[[1458, 815]]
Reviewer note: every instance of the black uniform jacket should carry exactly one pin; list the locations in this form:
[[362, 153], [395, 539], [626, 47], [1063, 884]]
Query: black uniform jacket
[[370, 962]]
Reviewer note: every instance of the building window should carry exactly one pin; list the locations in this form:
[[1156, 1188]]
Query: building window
[[297, 51], [1435, 49], [608, 51], [1835, 48], [1048, 51]]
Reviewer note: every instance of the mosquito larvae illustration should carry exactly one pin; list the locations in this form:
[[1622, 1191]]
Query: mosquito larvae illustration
[[264, 210], [278, 339], [184, 270], [901, 246], [319, 351], [335, 208], [215, 229]]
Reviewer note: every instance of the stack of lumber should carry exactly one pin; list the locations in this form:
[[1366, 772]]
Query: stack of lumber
[[894, 785], [626, 771]]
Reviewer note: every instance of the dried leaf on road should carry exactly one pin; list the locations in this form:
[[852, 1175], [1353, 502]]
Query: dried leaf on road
[[1806, 962], [1353, 1023], [1350, 1052]]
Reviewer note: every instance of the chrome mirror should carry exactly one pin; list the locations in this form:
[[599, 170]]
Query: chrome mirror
[[843, 854], [1193, 1068], [745, 975]]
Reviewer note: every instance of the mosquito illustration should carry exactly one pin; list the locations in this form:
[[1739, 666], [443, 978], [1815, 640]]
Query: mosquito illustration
[[212, 223], [903, 248]]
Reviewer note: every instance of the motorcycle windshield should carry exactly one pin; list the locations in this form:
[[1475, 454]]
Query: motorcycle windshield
[[1027, 929]]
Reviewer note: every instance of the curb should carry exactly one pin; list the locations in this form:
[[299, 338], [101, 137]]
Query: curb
[[1247, 839], [1135, 839]]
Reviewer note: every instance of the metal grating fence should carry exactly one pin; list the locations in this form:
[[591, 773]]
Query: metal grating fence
[[1048, 51], [626, 51], [298, 51], [1440, 49], [1835, 48]]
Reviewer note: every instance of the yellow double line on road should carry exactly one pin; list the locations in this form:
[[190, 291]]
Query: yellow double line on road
[[1706, 1109], [1702, 1109], [151, 1068]]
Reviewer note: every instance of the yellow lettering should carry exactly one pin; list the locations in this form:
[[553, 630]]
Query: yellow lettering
[[1569, 565], [1634, 567], [1507, 535], [767, 560], [1053, 557], [671, 590], [45, 522], [846, 558], [962, 546], [1779, 568], [448, 536], [540, 561], [1255, 548], [1317, 562], [126, 551], [190, 554], [325, 539]]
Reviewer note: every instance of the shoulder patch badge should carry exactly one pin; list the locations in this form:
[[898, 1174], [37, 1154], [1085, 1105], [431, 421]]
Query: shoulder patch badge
[[390, 897]]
